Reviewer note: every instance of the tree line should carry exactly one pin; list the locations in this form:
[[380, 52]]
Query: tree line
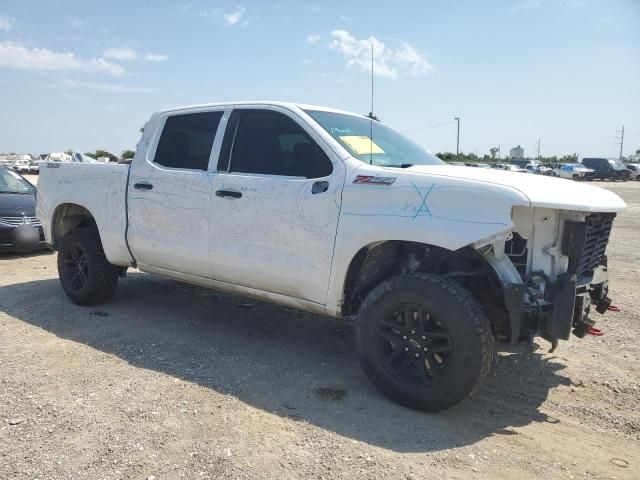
[[446, 156]]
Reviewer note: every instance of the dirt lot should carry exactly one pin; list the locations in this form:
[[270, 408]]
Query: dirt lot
[[174, 381]]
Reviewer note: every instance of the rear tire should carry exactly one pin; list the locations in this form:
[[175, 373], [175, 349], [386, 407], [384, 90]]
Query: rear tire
[[424, 341], [86, 275]]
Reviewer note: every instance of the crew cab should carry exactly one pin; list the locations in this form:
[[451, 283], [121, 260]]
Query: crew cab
[[335, 213]]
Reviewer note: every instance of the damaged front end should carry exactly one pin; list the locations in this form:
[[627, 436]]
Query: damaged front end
[[553, 269]]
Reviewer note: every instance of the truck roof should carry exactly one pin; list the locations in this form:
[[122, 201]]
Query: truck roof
[[287, 105]]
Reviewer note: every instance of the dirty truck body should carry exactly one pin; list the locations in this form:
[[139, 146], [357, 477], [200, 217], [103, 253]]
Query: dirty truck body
[[296, 205]]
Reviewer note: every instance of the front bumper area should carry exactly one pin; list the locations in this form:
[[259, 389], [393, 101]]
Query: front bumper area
[[9, 241], [571, 307], [565, 310], [555, 308]]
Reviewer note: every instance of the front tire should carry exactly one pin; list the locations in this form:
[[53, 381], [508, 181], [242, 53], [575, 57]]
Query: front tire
[[86, 275], [424, 341]]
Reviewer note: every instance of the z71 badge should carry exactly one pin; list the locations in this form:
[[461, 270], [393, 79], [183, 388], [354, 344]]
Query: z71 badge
[[373, 180]]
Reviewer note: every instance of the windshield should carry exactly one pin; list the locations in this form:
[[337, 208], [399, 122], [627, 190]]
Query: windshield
[[11, 182], [388, 148], [616, 164]]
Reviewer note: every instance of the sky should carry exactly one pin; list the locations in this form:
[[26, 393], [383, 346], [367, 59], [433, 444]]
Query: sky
[[87, 75]]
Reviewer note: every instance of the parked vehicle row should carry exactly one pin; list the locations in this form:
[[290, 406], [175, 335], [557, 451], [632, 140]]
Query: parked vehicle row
[[25, 167], [589, 169]]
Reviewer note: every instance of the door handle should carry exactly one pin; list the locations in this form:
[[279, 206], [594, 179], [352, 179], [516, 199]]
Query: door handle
[[228, 193], [320, 187], [143, 186]]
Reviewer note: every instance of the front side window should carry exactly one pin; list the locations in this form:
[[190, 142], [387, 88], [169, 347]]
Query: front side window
[[373, 142], [271, 143], [186, 140]]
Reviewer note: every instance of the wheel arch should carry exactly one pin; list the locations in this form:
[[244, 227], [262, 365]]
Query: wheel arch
[[379, 261], [67, 217]]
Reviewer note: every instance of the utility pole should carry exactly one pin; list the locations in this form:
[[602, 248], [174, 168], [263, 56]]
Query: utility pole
[[538, 148], [457, 119], [621, 140]]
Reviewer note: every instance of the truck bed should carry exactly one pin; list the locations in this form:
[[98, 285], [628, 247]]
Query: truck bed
[[99, 188]]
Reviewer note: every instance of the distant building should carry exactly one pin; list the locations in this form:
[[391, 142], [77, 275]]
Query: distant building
[[516, 153]]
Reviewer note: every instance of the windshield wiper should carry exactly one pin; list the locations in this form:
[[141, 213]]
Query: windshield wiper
[[400, 165]]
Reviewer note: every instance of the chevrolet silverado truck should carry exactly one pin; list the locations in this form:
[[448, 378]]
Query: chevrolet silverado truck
[[335, 213]]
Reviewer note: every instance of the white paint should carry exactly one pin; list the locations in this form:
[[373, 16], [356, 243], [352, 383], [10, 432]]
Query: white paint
[[169, 226], [283, 244]]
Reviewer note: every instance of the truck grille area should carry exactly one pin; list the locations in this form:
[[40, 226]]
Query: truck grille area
[[585, 244], [516, 250]]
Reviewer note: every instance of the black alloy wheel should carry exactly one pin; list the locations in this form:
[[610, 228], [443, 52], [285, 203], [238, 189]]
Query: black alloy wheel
[[75, 267], [414, 346]]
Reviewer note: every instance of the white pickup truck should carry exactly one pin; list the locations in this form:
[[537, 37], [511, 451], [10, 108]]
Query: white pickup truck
[[335, 213]]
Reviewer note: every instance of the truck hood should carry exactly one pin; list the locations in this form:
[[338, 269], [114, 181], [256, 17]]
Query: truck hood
[[541, 191]]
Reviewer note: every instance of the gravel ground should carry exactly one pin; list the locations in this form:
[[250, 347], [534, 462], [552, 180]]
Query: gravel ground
[[171, 381]]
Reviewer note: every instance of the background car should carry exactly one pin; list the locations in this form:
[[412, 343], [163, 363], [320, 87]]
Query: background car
[[634, 168], [514, 168], [575, 171], [607, 168], [555, 169], [537, 169], [20, 230], [21, 166]]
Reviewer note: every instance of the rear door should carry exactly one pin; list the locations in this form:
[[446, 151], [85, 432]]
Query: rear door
[[169, 194], [276, 202]]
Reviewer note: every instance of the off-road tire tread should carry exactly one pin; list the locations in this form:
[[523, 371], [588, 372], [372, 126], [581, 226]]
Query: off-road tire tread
[[104, 274], [475, 314]]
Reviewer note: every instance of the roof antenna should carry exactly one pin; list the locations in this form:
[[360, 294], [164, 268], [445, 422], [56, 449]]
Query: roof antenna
[[371, 113]]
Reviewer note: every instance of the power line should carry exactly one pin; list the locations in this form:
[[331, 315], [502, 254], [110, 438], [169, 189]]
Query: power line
[[428, 127]]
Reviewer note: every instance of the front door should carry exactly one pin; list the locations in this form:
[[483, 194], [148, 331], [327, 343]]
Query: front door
[[169, 195], [276, 202]]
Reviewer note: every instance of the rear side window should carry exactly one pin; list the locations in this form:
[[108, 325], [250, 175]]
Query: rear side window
[[186, 140], [271, 143]]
